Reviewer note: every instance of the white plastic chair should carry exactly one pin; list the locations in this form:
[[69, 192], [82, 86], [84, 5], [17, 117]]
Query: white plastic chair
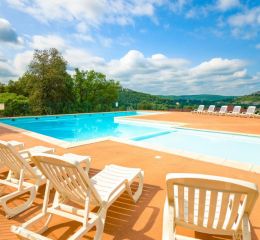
[[250, 112], [208, 204], [236, 111], [222, 110], [199, 110], [20, 171], [211, 109], [73, 184]]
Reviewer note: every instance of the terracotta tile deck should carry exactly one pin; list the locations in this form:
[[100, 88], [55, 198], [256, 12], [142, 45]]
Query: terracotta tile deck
[[142, 221]]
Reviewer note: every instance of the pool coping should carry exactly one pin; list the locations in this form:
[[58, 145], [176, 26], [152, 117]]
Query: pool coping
[[91, 113], [167, 124]]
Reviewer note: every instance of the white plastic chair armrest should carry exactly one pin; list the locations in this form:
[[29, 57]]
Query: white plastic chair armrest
[[24, 152], [168, 222]]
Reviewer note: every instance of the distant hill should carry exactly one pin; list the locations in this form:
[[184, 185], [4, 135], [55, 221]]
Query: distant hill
[[138, 100], [252, 99], [200, 97]]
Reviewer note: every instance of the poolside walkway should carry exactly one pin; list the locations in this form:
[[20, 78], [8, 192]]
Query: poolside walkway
[[142, 221]]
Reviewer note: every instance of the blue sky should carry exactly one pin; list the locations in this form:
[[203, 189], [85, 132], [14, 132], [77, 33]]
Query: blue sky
[[155, 46]]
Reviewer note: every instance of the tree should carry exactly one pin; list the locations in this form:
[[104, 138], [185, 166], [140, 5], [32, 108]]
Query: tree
[[48, 84], [94, 92], [2, 88], [21, 86]]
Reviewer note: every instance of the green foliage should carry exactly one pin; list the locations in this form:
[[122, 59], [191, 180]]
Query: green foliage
[[252, 99], [21, 86], [93, 92], [15, 105], [137, 100], [2, 88], [47, 83]]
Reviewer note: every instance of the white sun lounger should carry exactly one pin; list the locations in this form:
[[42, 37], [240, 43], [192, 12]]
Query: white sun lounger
[[199, 110], [208, 204], [72, 183], [250, 112], [236, 111], [210, 110], [222, 110], [20, 171]]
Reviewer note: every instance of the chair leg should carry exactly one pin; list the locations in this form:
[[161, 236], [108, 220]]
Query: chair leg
[[45, 226], [100, 226], [11, 212], [139, 190]]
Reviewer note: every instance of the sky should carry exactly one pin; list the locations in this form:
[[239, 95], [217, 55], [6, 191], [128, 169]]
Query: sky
[[170, 47]]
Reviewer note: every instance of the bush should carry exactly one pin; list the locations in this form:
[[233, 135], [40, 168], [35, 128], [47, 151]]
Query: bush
[[15, 105]]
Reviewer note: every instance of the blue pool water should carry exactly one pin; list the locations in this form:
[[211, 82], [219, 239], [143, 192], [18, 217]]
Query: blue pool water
[[81, 127], [225, 146]]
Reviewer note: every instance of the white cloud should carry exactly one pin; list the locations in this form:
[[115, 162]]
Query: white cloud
[[46, 42], [88, 12], [248, 18], [178, 5], [224, 5], [245, 25], [79, 58], [216, 66], [159, 74], [84, 37], [8, 34], [257, 46], [6, 69]]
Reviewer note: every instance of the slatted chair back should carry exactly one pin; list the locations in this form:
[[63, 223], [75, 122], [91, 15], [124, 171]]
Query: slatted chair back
[[251, 110], [223, 109], [211, 108], [68, 178], [236, 110], [210, 204], [200, 108], [11, 158]]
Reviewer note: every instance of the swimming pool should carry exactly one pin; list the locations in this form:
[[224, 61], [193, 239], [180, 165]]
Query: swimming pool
[[82, 127], [79, 128]]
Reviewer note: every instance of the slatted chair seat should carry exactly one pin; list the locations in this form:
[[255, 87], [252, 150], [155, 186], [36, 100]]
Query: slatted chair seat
[[208, 204], [111, 177], [72, 184]]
